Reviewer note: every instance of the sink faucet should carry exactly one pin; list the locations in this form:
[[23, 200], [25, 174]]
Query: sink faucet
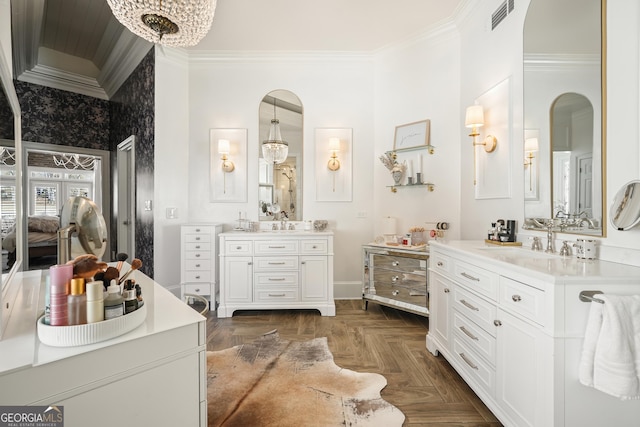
[[550, 238], [283, 221]]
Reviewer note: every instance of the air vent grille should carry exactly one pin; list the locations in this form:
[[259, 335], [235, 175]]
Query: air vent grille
[[501, 12]]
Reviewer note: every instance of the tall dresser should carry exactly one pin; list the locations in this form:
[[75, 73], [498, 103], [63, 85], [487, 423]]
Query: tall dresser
[[199, 261]]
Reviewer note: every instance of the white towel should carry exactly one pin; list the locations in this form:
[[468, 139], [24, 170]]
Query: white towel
[[611, 350]]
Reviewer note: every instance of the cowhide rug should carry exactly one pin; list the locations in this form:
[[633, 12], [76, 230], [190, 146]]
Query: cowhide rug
[[273, 382]]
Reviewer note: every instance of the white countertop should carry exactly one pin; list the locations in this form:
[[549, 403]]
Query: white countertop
[[548, 267], [277, 233], [20, 347]]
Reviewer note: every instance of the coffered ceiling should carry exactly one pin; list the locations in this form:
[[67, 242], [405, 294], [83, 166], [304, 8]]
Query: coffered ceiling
[[78, 45]]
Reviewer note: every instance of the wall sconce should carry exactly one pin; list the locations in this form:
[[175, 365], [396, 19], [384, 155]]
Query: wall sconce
[[530, 146], [227, 165], [334, 147], [474, 118]]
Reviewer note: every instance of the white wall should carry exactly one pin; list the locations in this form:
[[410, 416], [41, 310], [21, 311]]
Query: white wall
[[171, 162], [335, 90]]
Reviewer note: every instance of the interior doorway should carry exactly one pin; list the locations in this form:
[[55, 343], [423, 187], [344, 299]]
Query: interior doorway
[[125, 195]]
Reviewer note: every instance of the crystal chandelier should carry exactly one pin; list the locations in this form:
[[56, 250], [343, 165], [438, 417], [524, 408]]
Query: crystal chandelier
[[73, 162], [274, 149], [166, 22]]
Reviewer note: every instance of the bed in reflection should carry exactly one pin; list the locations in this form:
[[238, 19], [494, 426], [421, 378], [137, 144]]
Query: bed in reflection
[[42, 240]]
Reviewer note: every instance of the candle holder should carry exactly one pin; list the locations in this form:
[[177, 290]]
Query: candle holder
[[418, 178], [410, 180]]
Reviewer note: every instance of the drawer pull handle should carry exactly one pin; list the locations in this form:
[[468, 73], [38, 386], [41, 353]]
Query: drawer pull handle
[[447, 290], [197, 265], [466, 304], [197, 277], [197, 238], [276, 263], [470, 277], [238, 248], [516, 298], [395, 263], [277, 295], [276, 247], [440, 264], [497, 323], [468, 362], [197, 246], [469, 334], [197, 289], [197, 255], [276, 279], [197, 230]]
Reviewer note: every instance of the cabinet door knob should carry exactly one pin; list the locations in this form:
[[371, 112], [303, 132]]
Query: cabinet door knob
[[395, 263], [197, 230], [197, 246], [497, 323], [249, 263], [440, 264], [197, 265], [238, 248], [516, 298], [447, 290], [197, 289], [303, 262]]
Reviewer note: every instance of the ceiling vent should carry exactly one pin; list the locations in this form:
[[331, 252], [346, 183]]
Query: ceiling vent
[[501, 12]]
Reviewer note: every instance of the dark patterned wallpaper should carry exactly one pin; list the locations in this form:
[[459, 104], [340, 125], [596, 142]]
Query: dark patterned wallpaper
[[6, 118], [132, 113], [53, 116]]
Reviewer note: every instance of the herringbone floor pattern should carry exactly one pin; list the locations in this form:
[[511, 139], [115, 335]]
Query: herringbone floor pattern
[[381, 340]]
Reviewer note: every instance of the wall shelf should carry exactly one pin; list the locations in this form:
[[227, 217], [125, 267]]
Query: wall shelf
[[394, 188]]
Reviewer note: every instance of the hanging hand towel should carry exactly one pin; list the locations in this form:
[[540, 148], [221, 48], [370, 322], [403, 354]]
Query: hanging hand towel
[[611, 350]]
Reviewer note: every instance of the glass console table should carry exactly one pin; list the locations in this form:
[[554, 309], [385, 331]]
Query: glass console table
[[395, 277]]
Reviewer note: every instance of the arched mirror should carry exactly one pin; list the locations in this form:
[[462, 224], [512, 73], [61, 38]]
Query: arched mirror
[[564, 110], [10, 189], [625, 210], [280, 177]]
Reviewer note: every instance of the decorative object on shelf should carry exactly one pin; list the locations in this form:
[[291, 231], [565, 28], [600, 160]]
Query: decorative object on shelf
[[226, 144], [412, 136], [397, 169], [418, 236], [167, 22], [274, 149]]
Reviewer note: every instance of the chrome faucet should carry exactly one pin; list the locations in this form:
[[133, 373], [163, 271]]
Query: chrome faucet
[[550, 238], [283, 221]]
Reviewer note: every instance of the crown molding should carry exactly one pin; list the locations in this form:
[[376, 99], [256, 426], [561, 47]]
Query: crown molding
[[63, 80], [125, 57]]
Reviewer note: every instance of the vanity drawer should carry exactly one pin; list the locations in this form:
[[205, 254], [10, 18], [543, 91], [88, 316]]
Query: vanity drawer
[[475, 308], [197, 264], [197, 238], [196, 255], [473, 366], [238, 247], [197, 289], [197, 246], [475, 337], [416, 295], [313, 247], [477, 278], [280, 278], [266, 247], [276, 263], [522, 300], [197, 276], [440, 263], [197, 229], [397, 263], [276, 295]]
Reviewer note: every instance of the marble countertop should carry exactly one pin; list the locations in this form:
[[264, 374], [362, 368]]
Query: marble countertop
[[538, 264], [277, 233]]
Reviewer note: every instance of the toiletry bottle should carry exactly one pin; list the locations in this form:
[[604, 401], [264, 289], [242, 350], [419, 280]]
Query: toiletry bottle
[[59, 281], [113, 303], [130, 301], [77, 303], [95, 302]]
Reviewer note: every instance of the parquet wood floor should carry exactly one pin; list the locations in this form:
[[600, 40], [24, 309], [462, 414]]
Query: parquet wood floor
[[382, 340]]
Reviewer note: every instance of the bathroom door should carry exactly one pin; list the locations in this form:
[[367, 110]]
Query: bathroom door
[[126, 198]]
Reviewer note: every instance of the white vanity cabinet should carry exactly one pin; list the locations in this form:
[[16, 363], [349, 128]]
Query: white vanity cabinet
[[276, 270], [199, 261], [511, 323]]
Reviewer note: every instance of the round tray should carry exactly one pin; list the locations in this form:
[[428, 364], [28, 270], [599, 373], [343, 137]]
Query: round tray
[[91, 333]]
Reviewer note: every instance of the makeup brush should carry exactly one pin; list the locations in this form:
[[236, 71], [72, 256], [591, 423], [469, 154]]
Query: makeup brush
[[121, 258], [110, 274], [135, 264]]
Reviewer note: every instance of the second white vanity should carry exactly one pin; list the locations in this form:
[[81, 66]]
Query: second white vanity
[[511, 322], [276, 270]]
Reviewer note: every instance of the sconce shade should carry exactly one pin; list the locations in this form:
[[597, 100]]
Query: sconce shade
[[531, 144], [166, 22], [223, 146], [334, 144], [474, 116], [274, 149]]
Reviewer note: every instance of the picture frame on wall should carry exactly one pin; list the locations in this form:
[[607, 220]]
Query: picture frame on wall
[[412, 136]]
